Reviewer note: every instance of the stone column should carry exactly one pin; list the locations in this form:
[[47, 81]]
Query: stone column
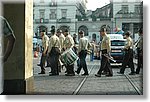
[[18, 70]]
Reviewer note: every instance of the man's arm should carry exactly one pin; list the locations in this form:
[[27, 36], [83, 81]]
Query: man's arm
[[10, 44]]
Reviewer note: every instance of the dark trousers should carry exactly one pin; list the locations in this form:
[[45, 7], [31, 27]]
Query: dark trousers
[[128, 60], [82, 57], [54, 60], [70, 69], [42, 62], [105, 65], [140, 60]]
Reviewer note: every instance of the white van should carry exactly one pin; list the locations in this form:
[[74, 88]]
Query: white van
[[117, 44]]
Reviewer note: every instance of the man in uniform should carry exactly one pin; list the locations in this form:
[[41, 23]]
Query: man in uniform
[[68, 43], [61, 40], [53, 53], [105, 48], [128, 57], [45, 40], [82, 52], [140, 51]]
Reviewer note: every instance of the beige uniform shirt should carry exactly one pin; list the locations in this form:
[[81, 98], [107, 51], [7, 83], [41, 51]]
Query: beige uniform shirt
[[68, 42], [45, 40], [83, 44], [61, 39], [53, 42], [129, 43], [106, 43]]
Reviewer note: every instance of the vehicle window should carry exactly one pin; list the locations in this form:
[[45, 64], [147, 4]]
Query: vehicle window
[[117, 43]]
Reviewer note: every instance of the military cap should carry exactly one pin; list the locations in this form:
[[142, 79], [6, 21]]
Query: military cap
[[103, 29], [81, 32]]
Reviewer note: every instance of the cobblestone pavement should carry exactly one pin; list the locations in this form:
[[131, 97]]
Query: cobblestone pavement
[[87, 85]]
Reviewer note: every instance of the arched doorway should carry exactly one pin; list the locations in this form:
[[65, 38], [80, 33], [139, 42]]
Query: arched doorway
[[85, 29], [94, 37]]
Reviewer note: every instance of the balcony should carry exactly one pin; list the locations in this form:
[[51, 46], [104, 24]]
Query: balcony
[[64, 20], [129, 15], [42, 21]]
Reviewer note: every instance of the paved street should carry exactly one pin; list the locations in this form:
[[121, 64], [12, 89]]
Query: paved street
[[87, 85]]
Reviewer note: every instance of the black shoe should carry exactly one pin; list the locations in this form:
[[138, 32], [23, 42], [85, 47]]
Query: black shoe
[[97, 75], [131, 73], [69, 74], [77, 72], [120, 73], [109, 75], [51, 74], [38, 64], [84, 74], [104, 73], [42, 72], [47, 66], [137, 72]]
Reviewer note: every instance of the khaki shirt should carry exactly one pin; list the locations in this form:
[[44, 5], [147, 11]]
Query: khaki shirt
[[61, 39], [140, 43], [106, 43], [83, 44], [129, 43], [45, 40], [68, 42], [53, 42]]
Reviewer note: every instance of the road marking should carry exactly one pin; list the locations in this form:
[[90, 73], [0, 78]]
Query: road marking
[[82, 82], [135, 87]]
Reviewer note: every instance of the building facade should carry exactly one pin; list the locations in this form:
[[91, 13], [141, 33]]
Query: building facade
[[58, 13], [73, 15]]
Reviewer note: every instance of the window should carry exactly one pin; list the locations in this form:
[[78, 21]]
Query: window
[[42, 13], [64, 13], [138, 9], [53, 2], [125, 8], [53, 14]]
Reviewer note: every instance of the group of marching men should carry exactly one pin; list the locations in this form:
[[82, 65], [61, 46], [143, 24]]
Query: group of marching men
[[59, 42]]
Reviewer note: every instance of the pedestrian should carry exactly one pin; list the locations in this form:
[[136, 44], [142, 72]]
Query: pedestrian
[[128, 56], [82, 53], [139, 46], [54, 53], [105, 49], [45, 41], [68, 44], [75, 47], [92, 51], [61, 40]]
